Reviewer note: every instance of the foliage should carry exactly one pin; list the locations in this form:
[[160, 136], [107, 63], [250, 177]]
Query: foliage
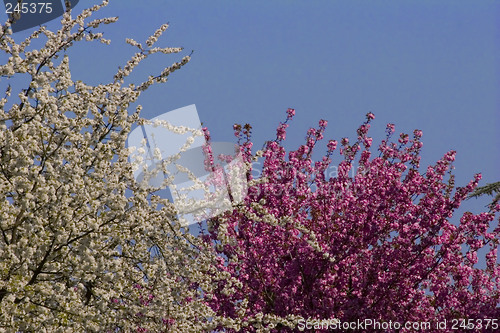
[[488, 189], [379, 244]]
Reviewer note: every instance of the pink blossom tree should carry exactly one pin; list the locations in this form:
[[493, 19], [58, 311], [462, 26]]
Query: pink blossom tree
[[378, 243]]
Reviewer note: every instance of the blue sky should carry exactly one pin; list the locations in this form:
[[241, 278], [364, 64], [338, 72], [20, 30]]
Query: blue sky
[[429, 65]]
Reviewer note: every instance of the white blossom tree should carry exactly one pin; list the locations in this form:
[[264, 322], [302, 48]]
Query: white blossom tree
[[76, 230]]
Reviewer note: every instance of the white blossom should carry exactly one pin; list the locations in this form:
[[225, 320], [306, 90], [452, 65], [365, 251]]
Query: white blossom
[[76, 229], [74, 224]]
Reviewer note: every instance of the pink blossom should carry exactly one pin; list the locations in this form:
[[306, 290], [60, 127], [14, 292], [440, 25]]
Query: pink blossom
[[390, 128], [383, 247], [332, 145]]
